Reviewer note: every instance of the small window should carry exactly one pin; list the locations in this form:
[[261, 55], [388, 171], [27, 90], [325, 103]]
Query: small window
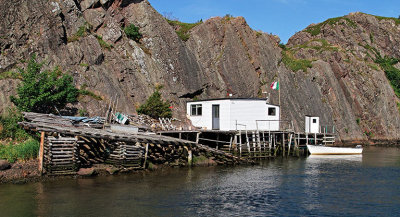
[[314, 120], [271, 111], [196, 110]]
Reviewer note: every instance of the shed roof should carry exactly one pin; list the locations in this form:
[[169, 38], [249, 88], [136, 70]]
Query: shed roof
[[231, 98]]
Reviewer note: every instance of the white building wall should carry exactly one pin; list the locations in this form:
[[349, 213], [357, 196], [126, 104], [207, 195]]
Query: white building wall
[[246, 112], [310, 126], [205, 120], [232, 111]]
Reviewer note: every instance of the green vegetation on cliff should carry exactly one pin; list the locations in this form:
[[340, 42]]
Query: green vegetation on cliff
[[392, 73], [10, 75], [396, 20], [182, 29], [295, 64], [132, 32], [316, 29]]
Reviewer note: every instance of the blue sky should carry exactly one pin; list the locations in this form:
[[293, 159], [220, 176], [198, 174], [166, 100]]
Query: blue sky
[[280, 17]]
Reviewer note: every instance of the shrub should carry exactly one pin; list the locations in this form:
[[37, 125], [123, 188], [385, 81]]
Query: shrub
[[23, 151], [155, 107], [132, 32], [43, 91], [10, 128]]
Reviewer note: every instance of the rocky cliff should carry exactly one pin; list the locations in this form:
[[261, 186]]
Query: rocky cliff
[[326, 70]]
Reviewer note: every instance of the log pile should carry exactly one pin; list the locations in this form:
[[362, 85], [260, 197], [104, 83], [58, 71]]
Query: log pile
[[61, 155], [126, 154]]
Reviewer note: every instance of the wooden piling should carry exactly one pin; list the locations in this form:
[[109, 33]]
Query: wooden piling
[[41, 150]]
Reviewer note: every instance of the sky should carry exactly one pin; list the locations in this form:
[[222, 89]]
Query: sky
[[279, 17]]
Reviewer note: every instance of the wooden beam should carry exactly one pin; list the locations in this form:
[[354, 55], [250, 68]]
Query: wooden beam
[[41, 149]]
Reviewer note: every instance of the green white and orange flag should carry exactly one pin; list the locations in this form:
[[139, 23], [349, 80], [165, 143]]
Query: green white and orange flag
[[275, 85]]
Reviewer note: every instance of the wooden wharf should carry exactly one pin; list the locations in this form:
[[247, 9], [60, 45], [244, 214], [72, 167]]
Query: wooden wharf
[[255, 144], [65, 147]]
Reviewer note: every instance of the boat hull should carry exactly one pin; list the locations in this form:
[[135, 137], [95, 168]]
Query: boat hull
[[325, 150]]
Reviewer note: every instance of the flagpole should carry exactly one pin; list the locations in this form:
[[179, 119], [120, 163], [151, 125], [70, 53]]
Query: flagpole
[[279, 93]]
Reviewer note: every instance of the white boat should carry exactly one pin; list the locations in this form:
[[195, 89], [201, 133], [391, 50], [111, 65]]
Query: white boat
[[326, 150]]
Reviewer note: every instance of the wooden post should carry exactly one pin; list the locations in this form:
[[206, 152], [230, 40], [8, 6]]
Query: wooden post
[[41, 154], [190, 157], [290, 142], [197, 137], [240, 141], [315, 138], [283, 144], [145, 155], [230, 143], [306, 138]]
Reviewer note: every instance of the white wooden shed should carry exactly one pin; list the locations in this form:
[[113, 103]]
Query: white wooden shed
[[312, 124], [234, 114]]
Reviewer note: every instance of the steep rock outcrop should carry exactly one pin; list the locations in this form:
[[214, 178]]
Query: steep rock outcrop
[[222, 55], [355, 92]]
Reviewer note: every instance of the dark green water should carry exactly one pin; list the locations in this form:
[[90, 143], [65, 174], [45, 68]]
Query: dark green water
[[322, 186]]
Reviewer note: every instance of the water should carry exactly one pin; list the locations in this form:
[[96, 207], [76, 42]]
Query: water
[[314, 186]]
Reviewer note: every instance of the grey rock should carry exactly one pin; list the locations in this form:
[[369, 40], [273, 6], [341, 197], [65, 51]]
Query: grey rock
[[91, 50], [86, 172], [110, 32], [94, 17], [4, 165], [88, 4]]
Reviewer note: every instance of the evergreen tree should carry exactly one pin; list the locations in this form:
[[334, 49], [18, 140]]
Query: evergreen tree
[[155, 107], [43, 91]]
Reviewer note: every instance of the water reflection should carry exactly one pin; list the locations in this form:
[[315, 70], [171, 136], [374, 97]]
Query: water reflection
[[316, 186]]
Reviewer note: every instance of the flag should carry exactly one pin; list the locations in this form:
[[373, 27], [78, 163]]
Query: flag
[[275, 85]]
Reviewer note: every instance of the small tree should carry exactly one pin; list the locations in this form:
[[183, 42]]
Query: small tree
[[155, 107], [132, 32], [43, 91]]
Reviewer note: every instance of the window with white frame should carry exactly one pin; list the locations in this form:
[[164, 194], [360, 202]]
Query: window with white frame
[[196, 110]]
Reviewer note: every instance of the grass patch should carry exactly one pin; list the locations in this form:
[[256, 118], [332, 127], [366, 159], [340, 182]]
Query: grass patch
[[22, 146], [182, 29], [200, 158], [324, 47], [358, 121], [22, 151], [398, 106], [316, 29], [9, 128], [103, 44], [373, 66], [10, 75], [84, 64], [82, 31], [295, 64], [91, 94]]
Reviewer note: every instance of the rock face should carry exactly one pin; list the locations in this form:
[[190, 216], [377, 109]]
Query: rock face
[[222, 55], [351, 90]]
